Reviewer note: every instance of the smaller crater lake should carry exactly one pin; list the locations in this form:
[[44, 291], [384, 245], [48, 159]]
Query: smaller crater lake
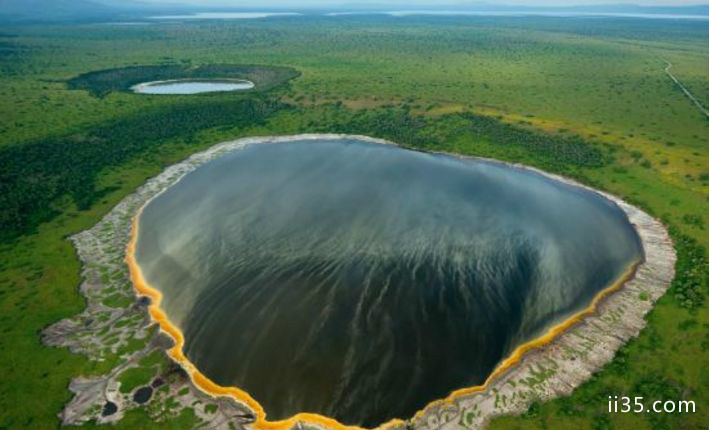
[[192, 86], [362, 281]]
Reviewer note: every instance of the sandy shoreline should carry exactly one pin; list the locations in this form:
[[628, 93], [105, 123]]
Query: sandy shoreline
[[547, 367]]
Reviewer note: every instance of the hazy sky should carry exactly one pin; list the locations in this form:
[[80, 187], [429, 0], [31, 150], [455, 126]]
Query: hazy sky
[[325, 3]]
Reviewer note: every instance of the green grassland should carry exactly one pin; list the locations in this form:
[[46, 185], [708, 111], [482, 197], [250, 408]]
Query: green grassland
[[587, 98]]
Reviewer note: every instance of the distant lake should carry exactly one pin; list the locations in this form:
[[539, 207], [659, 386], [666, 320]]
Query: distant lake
[[361, 280], [403, 13], [226, 15], [192, 86]]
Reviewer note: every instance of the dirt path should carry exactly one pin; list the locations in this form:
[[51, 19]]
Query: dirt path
[[685, 90]]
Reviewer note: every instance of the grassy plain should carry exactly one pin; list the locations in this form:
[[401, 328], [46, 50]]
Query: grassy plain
[[508, 88]]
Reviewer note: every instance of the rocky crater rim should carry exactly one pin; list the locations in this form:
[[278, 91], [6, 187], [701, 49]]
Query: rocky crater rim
[[122, 79], [640, 285]]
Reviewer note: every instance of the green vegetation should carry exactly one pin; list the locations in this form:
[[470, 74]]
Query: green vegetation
[[135, 377], [34, 175], [404, 128], [117, 300], [587, 98]]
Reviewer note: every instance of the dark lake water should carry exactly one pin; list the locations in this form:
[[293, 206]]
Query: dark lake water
[[361, 281]]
